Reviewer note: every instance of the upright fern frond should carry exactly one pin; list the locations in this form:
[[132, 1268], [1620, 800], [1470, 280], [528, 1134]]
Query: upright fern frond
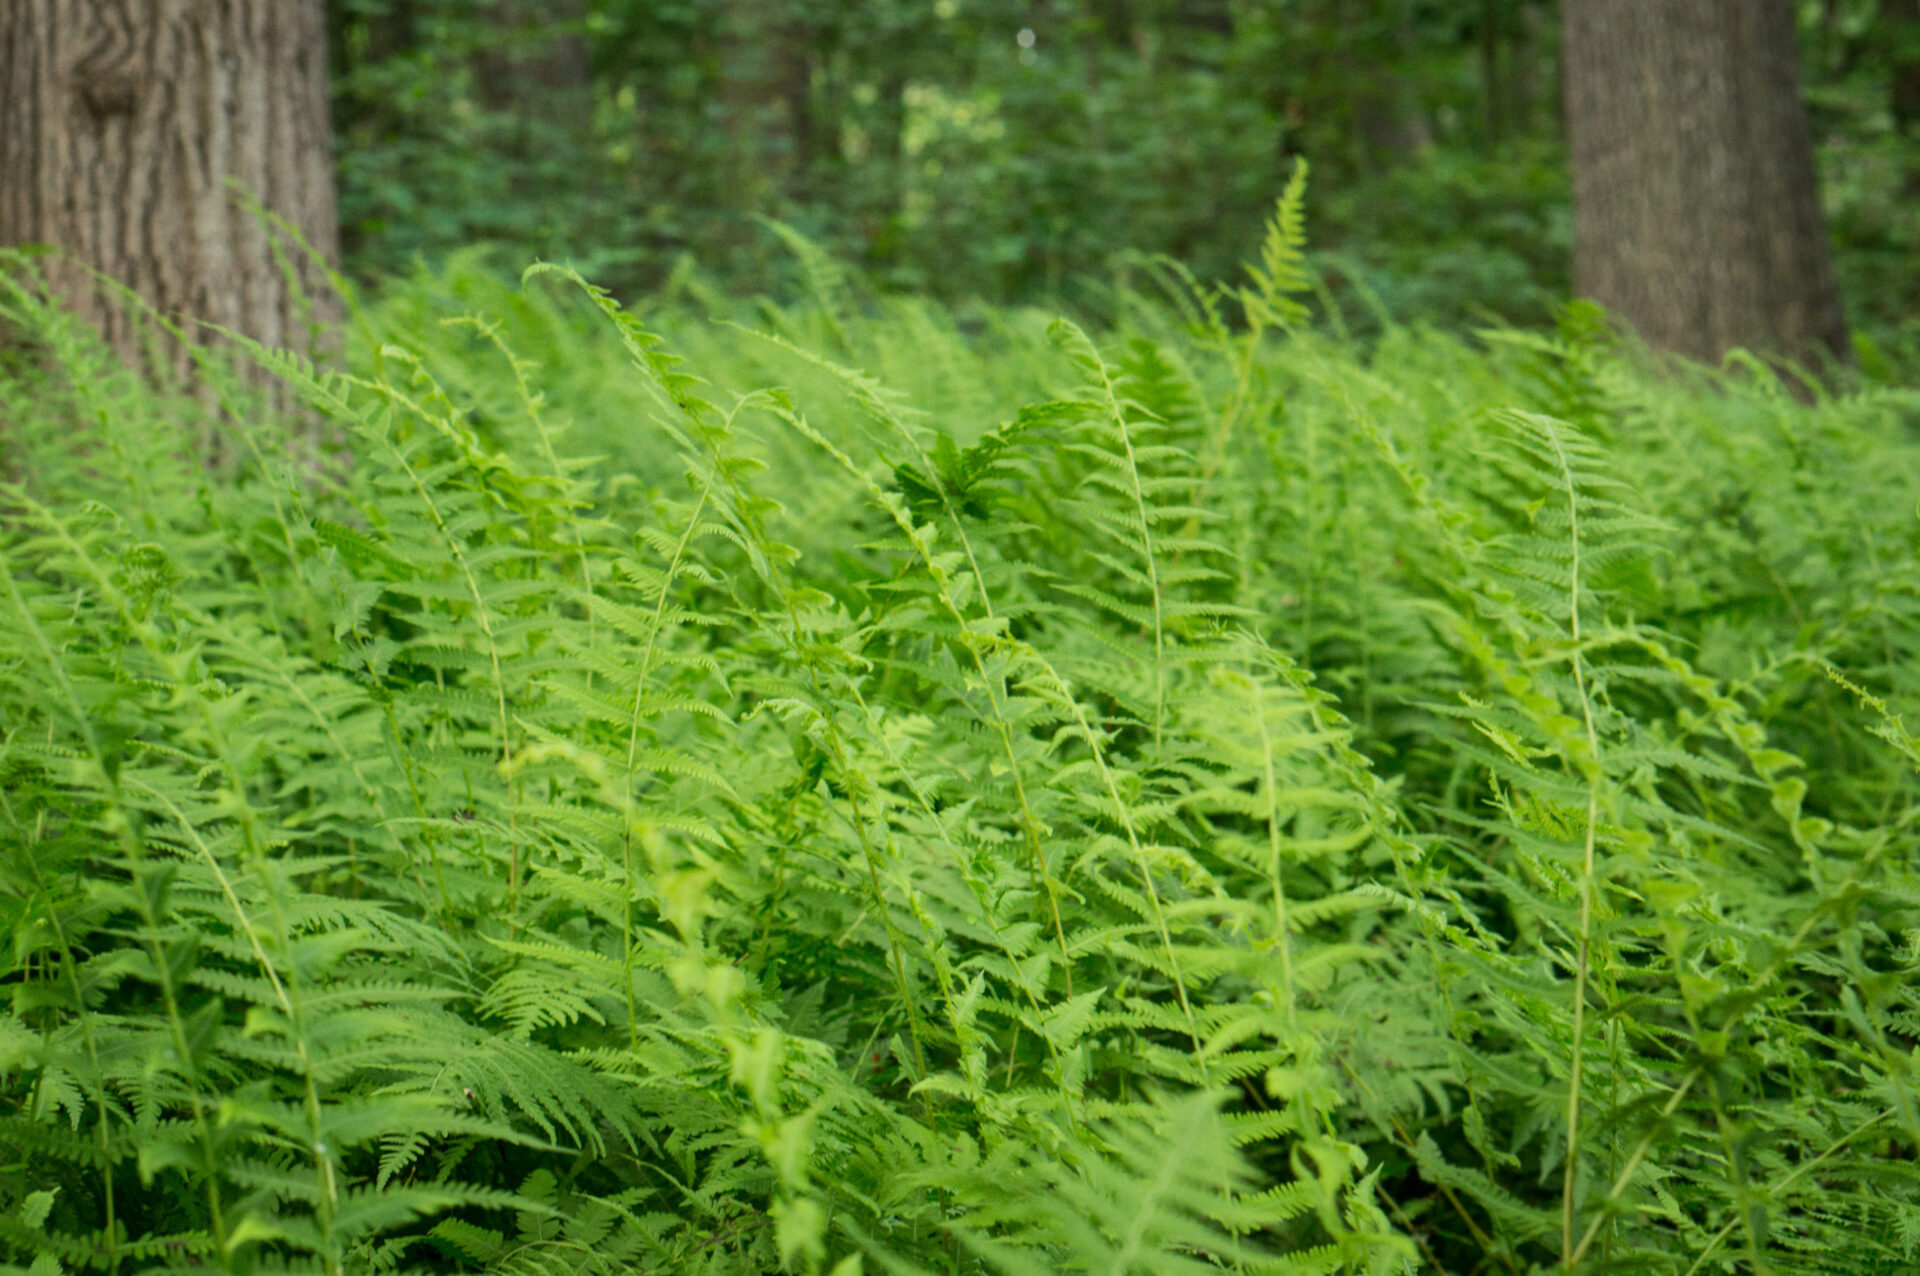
[[1282, 275]]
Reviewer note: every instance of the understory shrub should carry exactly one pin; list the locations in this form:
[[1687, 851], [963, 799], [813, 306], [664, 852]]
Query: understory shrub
[[867, 787]]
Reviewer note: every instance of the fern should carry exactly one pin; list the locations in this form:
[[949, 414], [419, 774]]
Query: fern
[[876, 789]]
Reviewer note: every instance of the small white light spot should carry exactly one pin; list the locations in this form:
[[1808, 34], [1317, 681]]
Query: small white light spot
[[1025, 38]]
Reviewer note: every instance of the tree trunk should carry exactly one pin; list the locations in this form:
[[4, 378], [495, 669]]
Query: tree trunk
[[1212, 16], [538, 66], [1527, 46], [1493, 86], [1902, 19], [1696, 214], [534, 74], [126, 122], [766, 100]]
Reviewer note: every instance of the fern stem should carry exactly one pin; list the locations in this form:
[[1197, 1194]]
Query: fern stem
[[1592, 768], [419, 809], [483, 615], [854, 779], [530, 402], [1021, 977], [1030, 825], [1119, 416], [176, 1024], [894, 944], [1411, 1146], [633, 753], [1743, 1218], [1279, 277], [289, 1002], [1633, 1163], [135, 851], [1216, 457], [993, 685], [1282, 928], [1139, 858], [69, 963], [145, 634]]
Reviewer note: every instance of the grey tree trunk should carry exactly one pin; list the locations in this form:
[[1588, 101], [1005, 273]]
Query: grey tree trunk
[[125, 123], [1696, 214]]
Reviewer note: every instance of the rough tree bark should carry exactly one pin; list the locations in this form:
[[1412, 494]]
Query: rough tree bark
[[125, 122], [1696, 214]]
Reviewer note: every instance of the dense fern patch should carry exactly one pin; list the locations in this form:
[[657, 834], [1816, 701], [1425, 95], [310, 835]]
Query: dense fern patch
[[865, 789]]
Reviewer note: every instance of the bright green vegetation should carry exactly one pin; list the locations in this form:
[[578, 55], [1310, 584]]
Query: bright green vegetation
[[906, 791]]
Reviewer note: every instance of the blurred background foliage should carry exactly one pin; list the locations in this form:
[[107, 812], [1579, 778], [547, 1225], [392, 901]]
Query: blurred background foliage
[[1016, 149]]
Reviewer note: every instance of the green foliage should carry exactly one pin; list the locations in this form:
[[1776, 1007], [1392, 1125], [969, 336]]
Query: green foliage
[[926, 144], [943, 151], [828, 793]]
